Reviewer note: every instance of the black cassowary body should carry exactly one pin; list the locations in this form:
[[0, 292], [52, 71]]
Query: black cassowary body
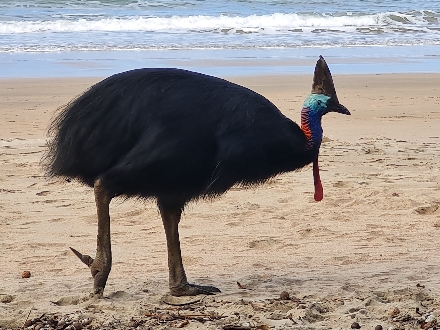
[[176, 136]]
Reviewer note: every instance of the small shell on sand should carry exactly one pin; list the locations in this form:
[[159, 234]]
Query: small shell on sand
[[395, 311], [26, 274], [430, 318]]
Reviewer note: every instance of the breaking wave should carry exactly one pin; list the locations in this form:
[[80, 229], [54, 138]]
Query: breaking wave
[[274, 23]]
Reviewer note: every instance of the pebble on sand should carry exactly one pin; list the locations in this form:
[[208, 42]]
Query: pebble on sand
[[284, 295], [26, 274]]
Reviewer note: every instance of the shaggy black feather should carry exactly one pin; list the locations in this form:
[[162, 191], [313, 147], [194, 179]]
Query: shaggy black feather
[[172, 134]]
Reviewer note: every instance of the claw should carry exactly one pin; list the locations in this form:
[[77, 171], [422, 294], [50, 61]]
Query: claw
[[208, 290], [193, 290], [88, 260]]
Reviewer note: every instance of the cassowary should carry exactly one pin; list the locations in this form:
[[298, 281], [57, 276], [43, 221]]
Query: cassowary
[[178, 136]]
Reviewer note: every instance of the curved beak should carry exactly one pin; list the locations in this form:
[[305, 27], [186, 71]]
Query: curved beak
[[340, 109], [334, 106]]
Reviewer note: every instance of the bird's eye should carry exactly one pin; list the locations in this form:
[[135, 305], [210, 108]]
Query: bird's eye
[[319, 102]]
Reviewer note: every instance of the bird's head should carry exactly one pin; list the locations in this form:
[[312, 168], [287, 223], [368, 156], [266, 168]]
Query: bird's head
[[320, 104], [322, 100]]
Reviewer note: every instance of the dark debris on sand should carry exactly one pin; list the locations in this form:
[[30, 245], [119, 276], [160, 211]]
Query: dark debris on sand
[[411, 308]]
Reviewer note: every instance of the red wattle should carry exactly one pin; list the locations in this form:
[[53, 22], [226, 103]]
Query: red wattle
[[319, 191]]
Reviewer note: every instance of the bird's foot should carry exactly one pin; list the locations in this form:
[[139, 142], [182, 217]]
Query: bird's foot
[[97, 293], [100, 271], [193, 290]]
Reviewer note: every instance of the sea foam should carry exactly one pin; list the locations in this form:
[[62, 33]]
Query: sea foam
[[277, 22]]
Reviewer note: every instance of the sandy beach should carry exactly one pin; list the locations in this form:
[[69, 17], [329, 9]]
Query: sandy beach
[[367, 254]]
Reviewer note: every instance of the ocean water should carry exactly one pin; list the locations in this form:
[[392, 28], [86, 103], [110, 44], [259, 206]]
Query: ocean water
[[100, 37]]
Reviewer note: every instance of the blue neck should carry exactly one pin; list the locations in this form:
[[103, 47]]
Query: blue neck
[[311, 126], [315, 106]]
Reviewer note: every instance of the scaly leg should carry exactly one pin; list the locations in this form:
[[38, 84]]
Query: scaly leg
[[100, 266], [178, 282]]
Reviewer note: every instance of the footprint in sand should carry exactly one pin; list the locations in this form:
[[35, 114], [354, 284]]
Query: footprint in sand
[[56, 220], [119, 295], [6, 298], [67, 301], [427, 209], [263, 243], [252, 206]]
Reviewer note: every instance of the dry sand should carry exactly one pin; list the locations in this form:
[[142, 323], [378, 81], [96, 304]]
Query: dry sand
[[372, 244]]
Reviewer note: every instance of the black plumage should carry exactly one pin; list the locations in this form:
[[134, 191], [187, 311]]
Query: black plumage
[[176, 136], [173, 134]]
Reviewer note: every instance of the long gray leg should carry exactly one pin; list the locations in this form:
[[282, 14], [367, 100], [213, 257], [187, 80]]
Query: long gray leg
[[178, 282], [100, 266]]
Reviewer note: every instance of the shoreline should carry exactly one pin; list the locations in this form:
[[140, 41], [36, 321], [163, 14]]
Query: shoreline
[[224, 62]]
